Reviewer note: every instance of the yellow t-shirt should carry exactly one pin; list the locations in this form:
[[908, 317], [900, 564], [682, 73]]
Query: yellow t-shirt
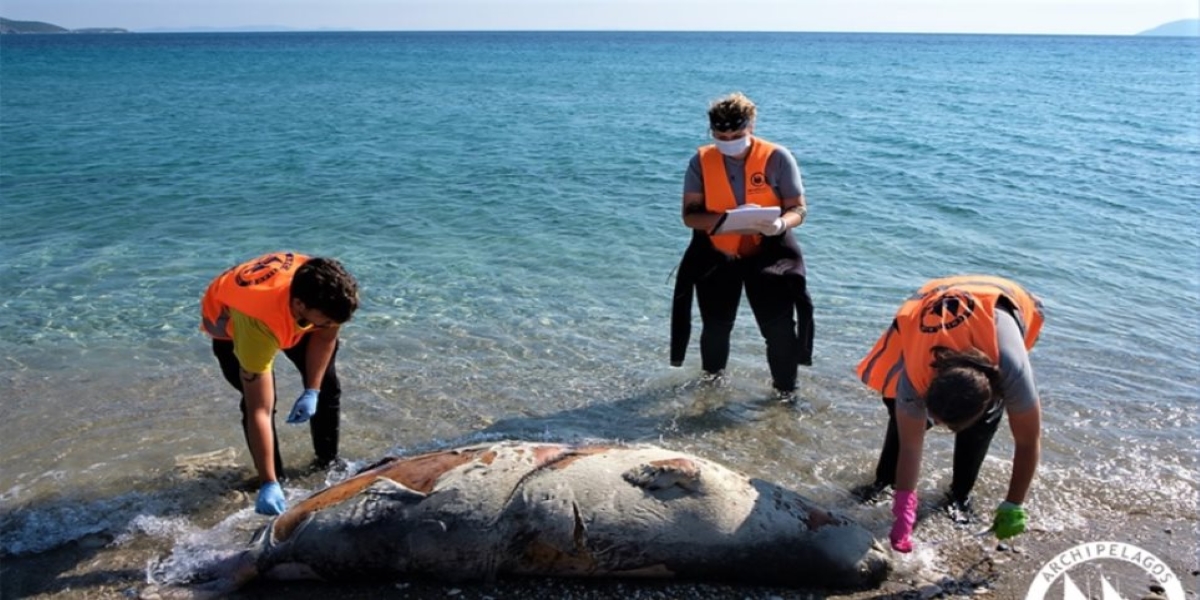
[[253, 343]]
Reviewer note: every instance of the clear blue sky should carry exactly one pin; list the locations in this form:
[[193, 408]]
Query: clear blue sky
[[1088, 17]]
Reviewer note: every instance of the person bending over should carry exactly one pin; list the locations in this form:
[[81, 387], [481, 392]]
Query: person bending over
[[281, 301], [957, 355]]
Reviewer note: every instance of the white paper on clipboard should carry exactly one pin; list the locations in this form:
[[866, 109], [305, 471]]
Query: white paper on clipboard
[[746, 217]]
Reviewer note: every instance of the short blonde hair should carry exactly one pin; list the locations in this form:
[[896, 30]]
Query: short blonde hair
[[731, 113]]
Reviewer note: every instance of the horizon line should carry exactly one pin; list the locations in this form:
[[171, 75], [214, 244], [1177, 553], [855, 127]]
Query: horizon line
[[284, 29]]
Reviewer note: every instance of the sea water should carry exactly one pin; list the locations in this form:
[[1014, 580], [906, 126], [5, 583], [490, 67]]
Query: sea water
[[509, 203]]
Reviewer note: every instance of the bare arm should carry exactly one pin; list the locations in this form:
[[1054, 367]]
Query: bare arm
[[320, 350], [260, 399], [1023, 404], [695, 213], [795, 211], [912, 442], [1027, 437]]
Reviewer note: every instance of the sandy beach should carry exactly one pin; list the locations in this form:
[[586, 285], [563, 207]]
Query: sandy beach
[[90, 570]]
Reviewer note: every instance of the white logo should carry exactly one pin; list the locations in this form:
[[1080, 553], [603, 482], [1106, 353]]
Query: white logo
[[1059, 565]]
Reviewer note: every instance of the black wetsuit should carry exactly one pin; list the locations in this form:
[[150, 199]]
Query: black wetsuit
[[776, 287]]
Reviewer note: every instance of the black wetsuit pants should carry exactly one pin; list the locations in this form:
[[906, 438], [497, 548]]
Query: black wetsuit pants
[[718, 294], [970, 448], [323, 426]]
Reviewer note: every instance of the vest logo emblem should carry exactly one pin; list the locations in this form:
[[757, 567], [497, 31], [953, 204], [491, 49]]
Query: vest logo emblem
[[947, 311], [264, 269]]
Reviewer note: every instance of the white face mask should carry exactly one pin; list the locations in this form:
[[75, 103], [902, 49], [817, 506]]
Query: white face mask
[[733, 147]]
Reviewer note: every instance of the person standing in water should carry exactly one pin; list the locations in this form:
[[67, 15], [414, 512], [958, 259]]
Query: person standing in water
[[740, 169], [957, 354], [281, 301]]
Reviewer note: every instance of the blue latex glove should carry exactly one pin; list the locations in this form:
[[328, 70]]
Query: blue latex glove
[[305, 407], [270, 499]]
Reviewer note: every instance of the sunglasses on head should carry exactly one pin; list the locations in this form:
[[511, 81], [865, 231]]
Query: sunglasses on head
[[726, 125]]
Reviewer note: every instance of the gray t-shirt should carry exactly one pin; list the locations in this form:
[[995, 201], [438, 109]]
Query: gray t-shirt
[[782, 173], [1016, 374]]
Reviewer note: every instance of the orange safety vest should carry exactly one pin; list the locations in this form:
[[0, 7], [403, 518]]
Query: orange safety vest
[[956, 312], [260, 289], [718, 194]]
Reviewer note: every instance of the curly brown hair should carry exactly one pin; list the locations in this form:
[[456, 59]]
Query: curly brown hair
[[325, 285], [731, 113]]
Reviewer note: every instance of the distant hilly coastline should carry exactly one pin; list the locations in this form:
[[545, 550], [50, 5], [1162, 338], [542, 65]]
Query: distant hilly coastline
[[17, 27], [239, 29], [1181, 28]]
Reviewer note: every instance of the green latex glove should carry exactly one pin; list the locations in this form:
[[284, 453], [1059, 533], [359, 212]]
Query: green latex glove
[[1010, 520]]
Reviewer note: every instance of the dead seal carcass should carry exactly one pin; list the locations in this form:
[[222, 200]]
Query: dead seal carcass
[[527, 508]]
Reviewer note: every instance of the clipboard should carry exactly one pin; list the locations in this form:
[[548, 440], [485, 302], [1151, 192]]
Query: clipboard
[[746, 217]]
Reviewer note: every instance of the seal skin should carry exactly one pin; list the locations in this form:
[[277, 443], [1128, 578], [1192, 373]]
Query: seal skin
[[540, 509]]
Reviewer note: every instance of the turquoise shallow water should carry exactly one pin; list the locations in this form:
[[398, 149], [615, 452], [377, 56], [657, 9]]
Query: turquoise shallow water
[[509, 203]]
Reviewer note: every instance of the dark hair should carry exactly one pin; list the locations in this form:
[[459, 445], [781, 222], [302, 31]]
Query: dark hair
[[964, 386], [323, 284]]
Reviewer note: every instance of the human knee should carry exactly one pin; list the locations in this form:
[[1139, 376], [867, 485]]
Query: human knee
[[717, 327]]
